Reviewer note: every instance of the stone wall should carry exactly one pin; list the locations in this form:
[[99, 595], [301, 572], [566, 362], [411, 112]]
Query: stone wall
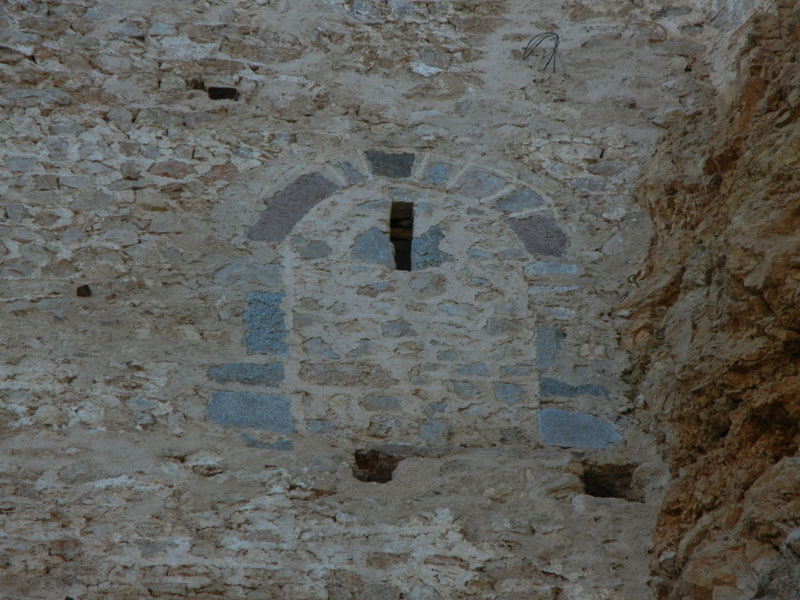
[[216, 383]]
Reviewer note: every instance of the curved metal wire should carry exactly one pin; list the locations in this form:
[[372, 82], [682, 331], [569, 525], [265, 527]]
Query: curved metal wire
[[537, 41]]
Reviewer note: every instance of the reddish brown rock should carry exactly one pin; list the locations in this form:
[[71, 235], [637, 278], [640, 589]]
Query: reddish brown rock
[[715, 327]]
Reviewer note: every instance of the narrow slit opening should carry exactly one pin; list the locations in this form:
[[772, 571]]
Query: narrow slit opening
[[401, 232]]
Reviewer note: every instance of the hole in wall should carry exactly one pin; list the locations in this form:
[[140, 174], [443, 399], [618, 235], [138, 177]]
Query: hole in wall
[[401, 233], [223, 93], [83, 291], [610, 481], [374, 465], [197, 84]]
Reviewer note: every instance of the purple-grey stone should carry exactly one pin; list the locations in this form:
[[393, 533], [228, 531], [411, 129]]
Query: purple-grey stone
[[540, 234], [288, 206]]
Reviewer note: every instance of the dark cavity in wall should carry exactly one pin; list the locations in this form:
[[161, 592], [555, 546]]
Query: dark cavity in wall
[[223, 93], [401, 230], [374, 465], [611, 481]]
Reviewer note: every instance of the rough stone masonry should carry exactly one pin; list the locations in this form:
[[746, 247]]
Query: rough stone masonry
[[215, 380]]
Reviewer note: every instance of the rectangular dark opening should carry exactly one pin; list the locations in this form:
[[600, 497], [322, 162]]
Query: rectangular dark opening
[[223, 93], [401, 231]]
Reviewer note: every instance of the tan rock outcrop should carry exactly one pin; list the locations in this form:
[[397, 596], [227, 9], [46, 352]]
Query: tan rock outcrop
[[715, 323]]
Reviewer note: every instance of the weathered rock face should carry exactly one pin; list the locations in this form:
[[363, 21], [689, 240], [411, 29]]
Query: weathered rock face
[[715, 323]]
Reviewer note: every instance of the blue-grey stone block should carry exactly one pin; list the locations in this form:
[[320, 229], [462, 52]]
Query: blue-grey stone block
[[479, 182], [382, 403], [425, 250], [265, 329], [553, 387], [515, 370], [254, 443], [249, 374], [320, 426], [548, 343], [479, 369], [350, 173], [373, 246], [245, 409], [311, 249], [397, 328], [435, 408], [438, 174], [389, 164], [465, 389], [509, 393], [140, 404], [575, 430], [520, 199], [319, 348], [449, 355], [455, 310], [434, 432]]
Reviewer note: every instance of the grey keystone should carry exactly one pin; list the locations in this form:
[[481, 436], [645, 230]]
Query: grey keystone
[[245, 409], [388, 164], [575, 430]]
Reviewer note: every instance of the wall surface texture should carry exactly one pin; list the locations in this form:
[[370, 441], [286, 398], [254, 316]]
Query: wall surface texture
[[216, 383]]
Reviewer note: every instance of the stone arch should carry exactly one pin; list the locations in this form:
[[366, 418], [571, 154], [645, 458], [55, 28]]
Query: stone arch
[[390, 355]]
